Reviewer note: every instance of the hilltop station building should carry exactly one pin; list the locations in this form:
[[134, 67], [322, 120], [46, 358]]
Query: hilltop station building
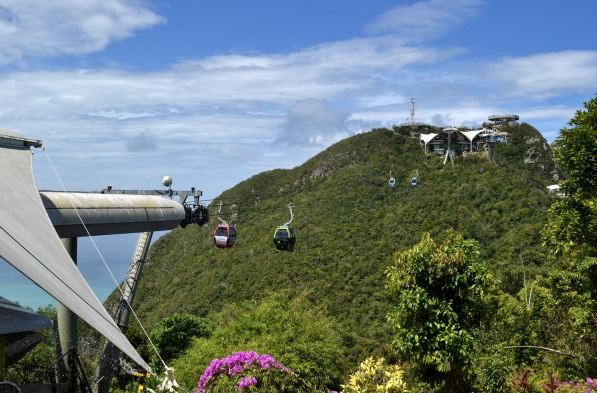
[[465, 142]]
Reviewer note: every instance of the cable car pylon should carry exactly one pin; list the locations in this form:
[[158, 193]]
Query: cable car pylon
[[284, 236]]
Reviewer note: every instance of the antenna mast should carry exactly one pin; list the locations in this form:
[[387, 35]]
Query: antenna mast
[[412, 112]]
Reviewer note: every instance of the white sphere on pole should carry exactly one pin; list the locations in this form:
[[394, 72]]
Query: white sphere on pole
[[167, 181]]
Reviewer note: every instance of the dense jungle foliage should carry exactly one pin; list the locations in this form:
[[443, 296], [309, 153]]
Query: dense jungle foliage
[[349, 223], [474, 280]]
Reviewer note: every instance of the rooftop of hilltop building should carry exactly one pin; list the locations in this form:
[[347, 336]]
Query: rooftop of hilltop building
[[463, 140]]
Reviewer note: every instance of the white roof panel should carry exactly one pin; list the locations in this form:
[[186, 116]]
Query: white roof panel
[[29, 242], [470, 135], [427, 137]]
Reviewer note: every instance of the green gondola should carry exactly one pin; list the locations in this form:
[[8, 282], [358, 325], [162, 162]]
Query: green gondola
[[284, 238]]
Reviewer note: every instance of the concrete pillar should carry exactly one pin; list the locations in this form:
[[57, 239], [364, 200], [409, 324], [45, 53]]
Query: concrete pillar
[[67, 320]]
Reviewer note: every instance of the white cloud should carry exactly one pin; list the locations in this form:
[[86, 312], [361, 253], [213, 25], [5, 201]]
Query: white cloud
[[215, 118], [425, 19], [312, 122], [456, 114], [49, 28], [382, 99], [121, 115], [556, 112], [142, 142], [260, 84], [548, 74]]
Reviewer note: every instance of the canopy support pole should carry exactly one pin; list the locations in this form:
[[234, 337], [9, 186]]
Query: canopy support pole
[[67, 322]]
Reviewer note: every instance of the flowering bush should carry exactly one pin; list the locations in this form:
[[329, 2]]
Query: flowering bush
[[295, 332], [234, 367], [374, 376], [587, 386]]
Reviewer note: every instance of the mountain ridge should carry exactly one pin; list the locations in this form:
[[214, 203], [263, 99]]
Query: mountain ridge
[[349, 223]]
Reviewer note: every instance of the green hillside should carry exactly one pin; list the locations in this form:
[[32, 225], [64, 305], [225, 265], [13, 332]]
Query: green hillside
[[349, 224]]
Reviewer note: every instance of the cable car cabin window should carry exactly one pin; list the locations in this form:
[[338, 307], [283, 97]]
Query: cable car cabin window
[[232, 232], [221, 231], [282, 234]]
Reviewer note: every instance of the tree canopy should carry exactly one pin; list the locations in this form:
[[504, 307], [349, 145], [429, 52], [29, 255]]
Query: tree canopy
[[438, 294]]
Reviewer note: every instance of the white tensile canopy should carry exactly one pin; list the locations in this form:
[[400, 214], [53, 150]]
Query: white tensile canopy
[[29, 242], [470, 135], [426, 138]]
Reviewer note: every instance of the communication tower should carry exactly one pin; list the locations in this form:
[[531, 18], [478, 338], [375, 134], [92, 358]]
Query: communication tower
[[412, 112]]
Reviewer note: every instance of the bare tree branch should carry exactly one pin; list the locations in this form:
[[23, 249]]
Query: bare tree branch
[[542, 348]]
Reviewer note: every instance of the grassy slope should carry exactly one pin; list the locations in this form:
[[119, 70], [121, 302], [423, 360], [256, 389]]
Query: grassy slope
[[349, 223]]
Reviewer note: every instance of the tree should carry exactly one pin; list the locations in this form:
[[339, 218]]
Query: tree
[[571, 238], [571, 231], [438, 292], [173, 335], [577, 152]]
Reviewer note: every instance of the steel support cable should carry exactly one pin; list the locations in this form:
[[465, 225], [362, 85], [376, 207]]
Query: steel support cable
[[104, 261]]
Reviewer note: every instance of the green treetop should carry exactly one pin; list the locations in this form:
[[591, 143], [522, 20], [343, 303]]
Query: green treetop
[[438, 291], [572, 222]]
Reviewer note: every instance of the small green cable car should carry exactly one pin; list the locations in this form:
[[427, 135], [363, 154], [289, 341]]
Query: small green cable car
[[284, 236]]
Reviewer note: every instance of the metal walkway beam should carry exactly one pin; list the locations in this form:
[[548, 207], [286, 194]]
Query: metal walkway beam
[[107, 214]]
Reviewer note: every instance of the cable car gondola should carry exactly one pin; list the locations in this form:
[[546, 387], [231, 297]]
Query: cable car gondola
[[392, 181], [225, 234], [415, 179], [284, 236]]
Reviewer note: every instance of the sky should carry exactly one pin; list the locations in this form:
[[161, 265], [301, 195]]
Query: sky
[[123, 92]]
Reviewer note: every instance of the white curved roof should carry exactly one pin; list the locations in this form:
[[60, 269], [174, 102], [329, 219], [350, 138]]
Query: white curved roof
[[427, 137], [29, 242], [470, 135]]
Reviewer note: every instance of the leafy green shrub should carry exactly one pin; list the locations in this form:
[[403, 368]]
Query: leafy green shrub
[[297, 334], [493, 370], [173, 335]]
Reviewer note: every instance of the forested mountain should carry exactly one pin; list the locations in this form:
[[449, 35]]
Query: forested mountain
[[349, 223]]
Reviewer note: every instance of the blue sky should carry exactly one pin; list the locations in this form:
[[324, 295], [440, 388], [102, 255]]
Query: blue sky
[[124, 92]]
